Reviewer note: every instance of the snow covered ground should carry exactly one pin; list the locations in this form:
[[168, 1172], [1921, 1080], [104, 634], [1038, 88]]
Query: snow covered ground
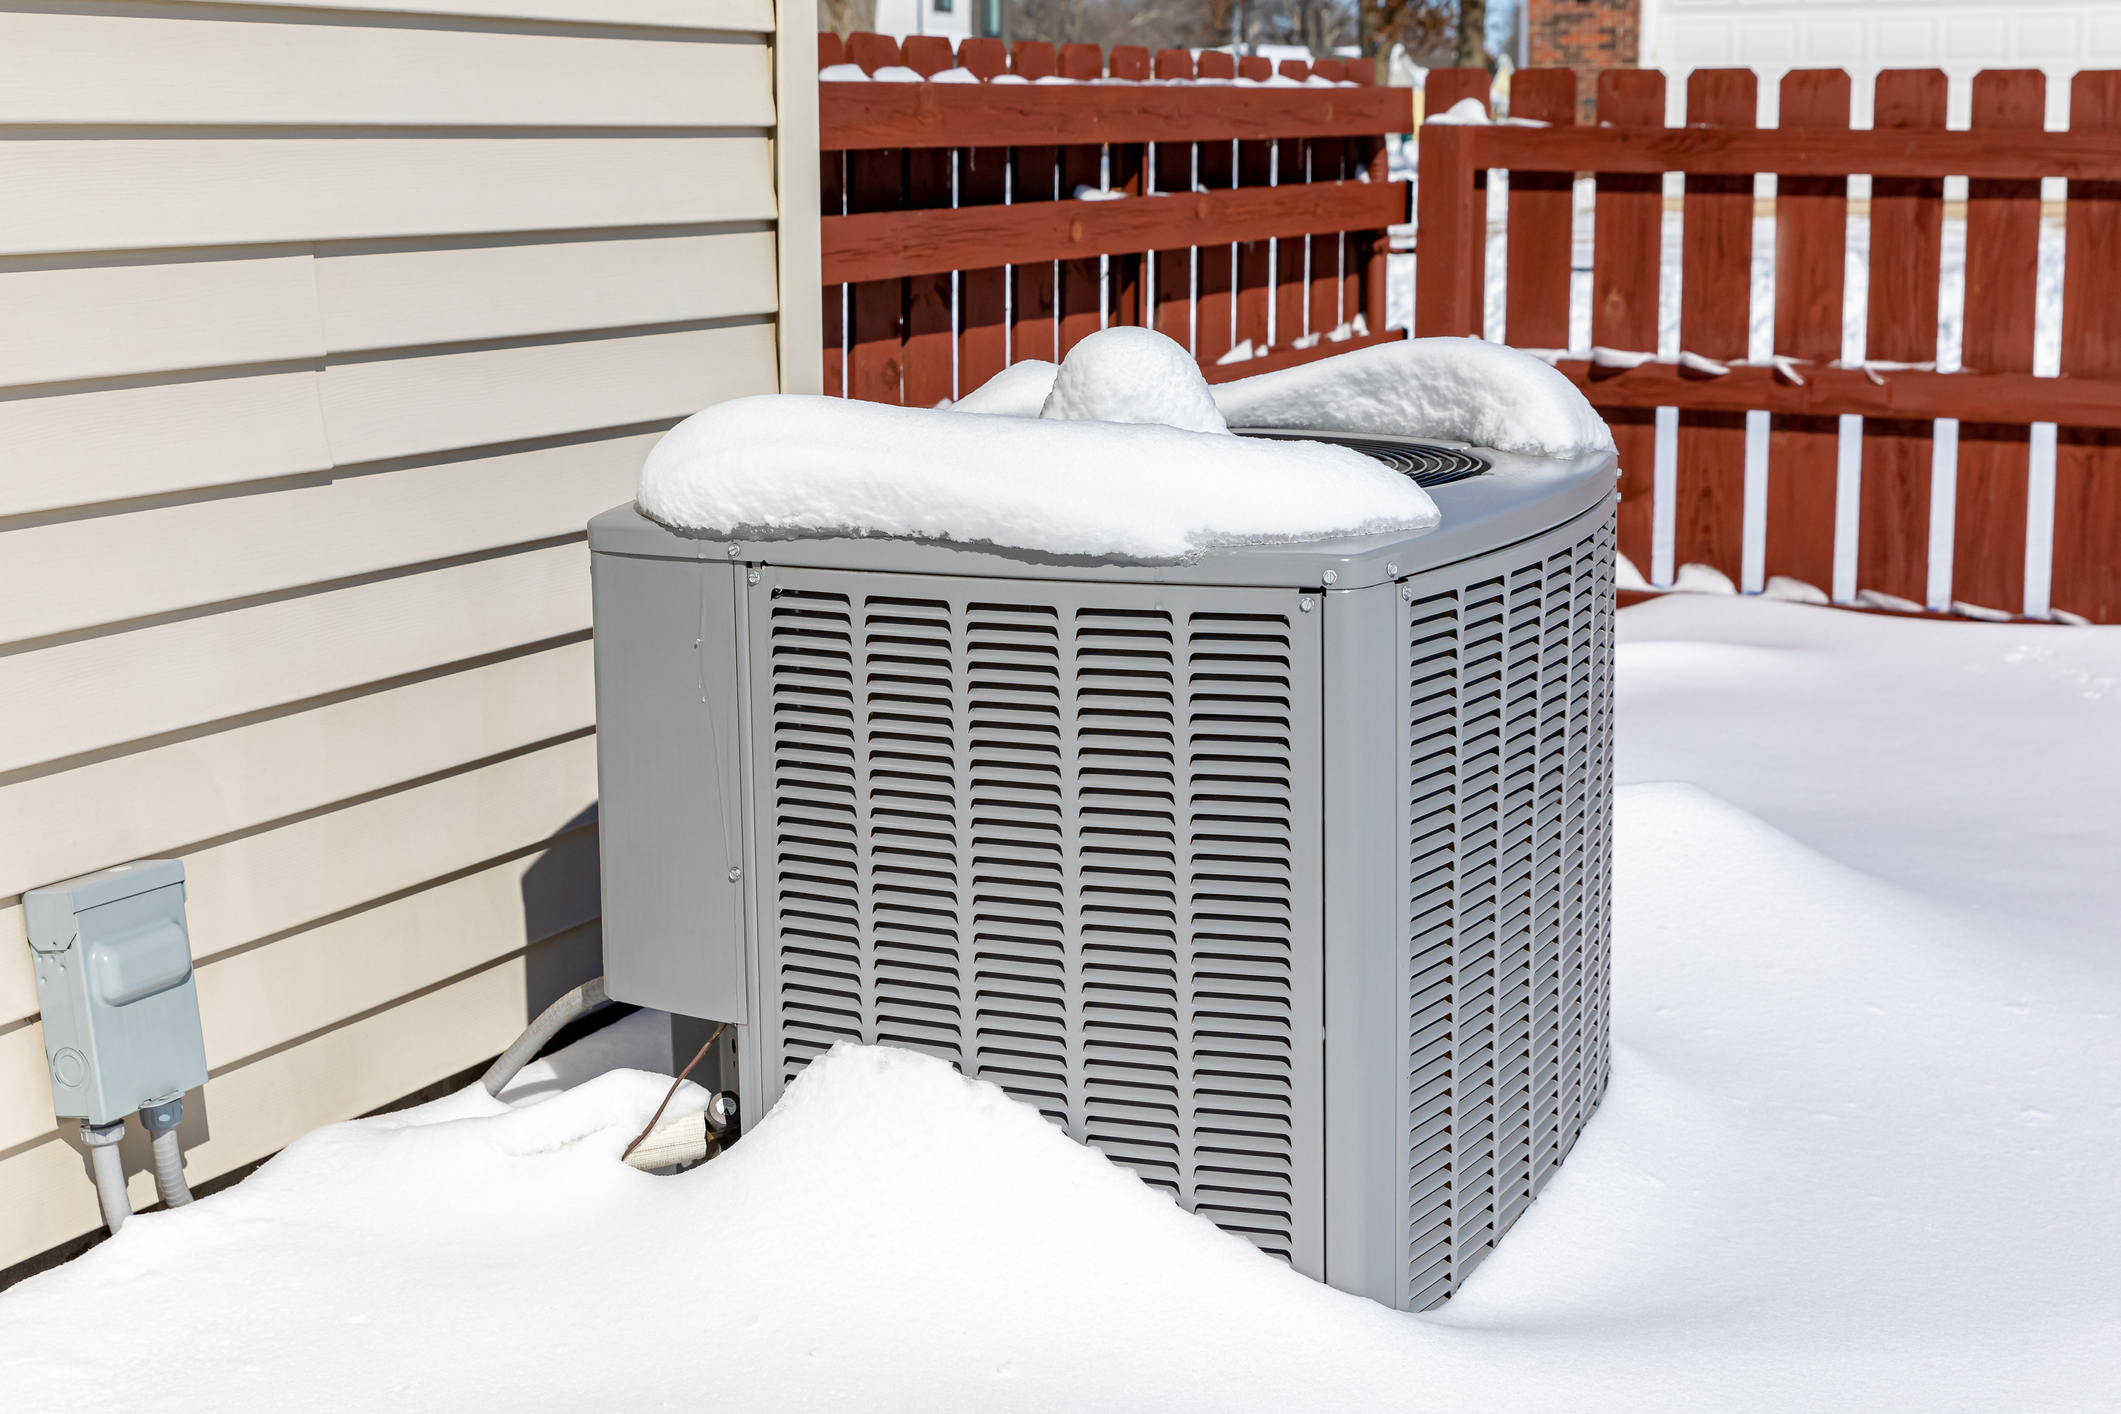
[[1862, 1149]]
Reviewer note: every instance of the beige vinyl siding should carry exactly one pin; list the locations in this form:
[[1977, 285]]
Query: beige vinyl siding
[[322, 333]]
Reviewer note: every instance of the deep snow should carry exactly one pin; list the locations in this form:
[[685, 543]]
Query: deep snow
[[1124, 454], [1452, 390], [779, 465], [1859, 1153], [1133, 375]]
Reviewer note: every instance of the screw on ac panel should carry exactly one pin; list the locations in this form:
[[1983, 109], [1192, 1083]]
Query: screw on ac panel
[[1406, 592], [752, 578], [1391, 570], [1307, 603], [732, 552], [735, 874], [1332, 576]]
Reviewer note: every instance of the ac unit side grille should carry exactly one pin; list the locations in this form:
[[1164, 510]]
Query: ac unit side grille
[[1057, 835], [1509, 830]]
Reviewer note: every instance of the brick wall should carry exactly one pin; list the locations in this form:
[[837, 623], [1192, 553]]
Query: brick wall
[[1585, 35]]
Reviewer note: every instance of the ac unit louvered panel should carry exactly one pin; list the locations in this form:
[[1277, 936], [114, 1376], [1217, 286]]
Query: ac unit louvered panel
[[1509, 831], [1064, 836]]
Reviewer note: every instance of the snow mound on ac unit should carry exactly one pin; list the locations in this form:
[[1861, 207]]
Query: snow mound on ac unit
[[779, 466], [1133, 375], [1450, 390]]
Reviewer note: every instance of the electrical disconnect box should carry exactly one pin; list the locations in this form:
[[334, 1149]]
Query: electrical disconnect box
[[114, 980]]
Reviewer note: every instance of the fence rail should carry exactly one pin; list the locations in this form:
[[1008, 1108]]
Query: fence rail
[[1793, 498], [1248, 221]]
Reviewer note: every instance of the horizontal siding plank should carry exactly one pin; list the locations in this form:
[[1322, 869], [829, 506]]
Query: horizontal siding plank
[[46, 1196], [265, 997], [143, 68], [399, 407], [79, 574], [69, 822], [112, 444], [25, 1087], [257, 885], [114, 318], [85, 695], [466, 290], [732, 16], [126, 192]]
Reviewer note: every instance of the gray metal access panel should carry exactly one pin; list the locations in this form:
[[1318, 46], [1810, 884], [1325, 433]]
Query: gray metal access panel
[[1278, 875], [114, 980]]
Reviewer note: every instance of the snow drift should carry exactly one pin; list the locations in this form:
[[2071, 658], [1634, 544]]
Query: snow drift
[[1449, 390], [1133, 375], [1859, 1153], [774, 466]]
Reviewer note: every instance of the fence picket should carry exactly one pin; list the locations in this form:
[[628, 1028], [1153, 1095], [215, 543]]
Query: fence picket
[[1536, 293], [832, 172], [1326, 158], [1715, 292], [2002, 280], [1907, 241], [1255, 168], [931, 334], [876, 181], [1216, 315], [1079, 299], [982, 295], [1292, 305], [1626, 229], [1173, 172], [1128, 173], [1811, 240], [2087, 571], [1446, 89], [1035, 329]]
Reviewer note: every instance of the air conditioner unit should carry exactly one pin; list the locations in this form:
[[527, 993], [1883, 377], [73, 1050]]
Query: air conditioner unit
[[1281, 875]]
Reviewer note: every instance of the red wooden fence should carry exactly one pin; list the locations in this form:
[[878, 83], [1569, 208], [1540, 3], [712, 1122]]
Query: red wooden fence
[[1907, 154], [953, 244]]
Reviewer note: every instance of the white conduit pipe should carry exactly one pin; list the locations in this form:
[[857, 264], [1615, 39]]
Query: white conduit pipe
[[160, 1118], [102, 1142], [169, 1171], [584, 998]]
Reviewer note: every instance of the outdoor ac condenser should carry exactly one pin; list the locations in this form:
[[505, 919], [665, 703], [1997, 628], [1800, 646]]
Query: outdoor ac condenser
[[1281, 876]]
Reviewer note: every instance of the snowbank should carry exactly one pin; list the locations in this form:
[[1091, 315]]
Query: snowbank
[[1020, 390], [777, 465], [1452, 390], [1860, 1151]]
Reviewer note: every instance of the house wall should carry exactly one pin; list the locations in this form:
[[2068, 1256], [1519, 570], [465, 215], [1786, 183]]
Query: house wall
[[1960, 37], [952, 19], [322, 334], [1584, 35]]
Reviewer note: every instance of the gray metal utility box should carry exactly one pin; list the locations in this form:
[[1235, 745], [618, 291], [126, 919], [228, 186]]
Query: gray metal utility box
[[1281, 875]]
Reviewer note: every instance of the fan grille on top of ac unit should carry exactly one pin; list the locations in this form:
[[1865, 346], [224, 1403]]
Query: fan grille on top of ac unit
[[1427, 463]]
